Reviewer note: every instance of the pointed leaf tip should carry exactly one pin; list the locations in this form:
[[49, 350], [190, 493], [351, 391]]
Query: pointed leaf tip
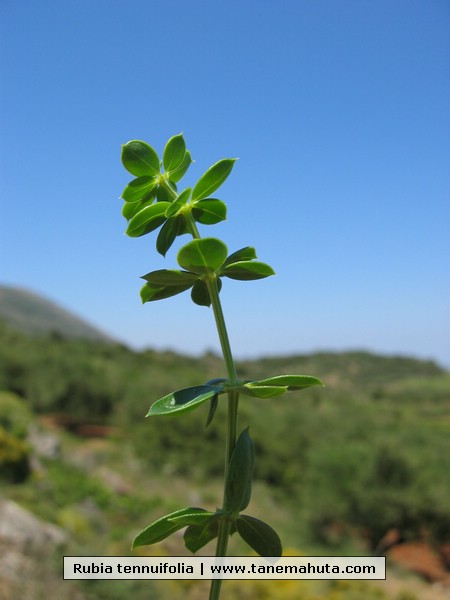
[[292, 382], [177, 174], [163, 527], [213, 178], [248, 270], [174, 152], [184, 400]]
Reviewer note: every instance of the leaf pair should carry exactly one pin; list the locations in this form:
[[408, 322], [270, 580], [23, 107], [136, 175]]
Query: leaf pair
[[141, 160], [176, 159], [262, 538], [209, 255], [188, 399], [203, 260], [203, 526]]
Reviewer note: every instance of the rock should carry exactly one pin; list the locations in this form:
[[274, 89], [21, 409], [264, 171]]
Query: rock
[[23, 530], [28, 549], [22, 534], [44, 444]]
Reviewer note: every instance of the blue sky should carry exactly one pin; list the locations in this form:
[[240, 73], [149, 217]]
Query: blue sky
[[338, 111]]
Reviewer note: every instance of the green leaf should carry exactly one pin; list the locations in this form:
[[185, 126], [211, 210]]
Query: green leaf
[[262, 391], [140, 159], [259, 536], [162, 528], [200, 294], [247, 253], [197, 536], [238, 485], [170, 277], [201, 256], [176, 174], [184, 400], [174, 152], [214, 402], [178, 203], [216, 381], [198, 516], [132, 208], [278, 385], [151, 293], [163, 195], [167, 235], [291, 382], [213, 178], [247, 270], [210, 211], [147, 219], [138, 189]]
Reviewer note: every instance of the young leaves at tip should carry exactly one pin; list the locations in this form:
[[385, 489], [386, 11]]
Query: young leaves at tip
[[156, 181], [152, 201]]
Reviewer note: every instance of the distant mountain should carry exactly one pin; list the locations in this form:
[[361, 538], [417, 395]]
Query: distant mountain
[[36, 315]]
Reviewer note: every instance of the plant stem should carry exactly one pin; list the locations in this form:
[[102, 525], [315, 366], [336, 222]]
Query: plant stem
[[218, 312], [233, 402], [233, 397], [215, 300]]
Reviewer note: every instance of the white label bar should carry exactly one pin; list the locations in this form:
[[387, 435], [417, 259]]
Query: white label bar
[[232, 567]]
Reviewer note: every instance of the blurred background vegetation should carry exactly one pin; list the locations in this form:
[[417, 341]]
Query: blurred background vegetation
[[354, 468]]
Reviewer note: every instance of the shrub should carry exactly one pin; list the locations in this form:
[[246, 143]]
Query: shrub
[[14, 457]]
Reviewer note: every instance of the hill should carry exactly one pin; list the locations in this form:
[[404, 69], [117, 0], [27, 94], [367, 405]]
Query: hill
[[33, 314], [346, 469]]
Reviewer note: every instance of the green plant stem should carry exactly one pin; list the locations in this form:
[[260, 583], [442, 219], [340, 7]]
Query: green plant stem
[[233, 403], [233, 397], [215, 302]]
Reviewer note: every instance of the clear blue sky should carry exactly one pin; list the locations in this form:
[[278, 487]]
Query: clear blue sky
[[338, 111]]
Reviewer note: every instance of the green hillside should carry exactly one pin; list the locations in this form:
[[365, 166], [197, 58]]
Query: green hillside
[[35, 315], [337, 469]]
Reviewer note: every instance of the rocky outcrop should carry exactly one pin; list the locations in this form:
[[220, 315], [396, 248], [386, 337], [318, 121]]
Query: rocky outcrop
[[26, 547]]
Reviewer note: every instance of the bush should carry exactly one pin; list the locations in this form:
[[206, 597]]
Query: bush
[[14, 458], [15, 417]]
